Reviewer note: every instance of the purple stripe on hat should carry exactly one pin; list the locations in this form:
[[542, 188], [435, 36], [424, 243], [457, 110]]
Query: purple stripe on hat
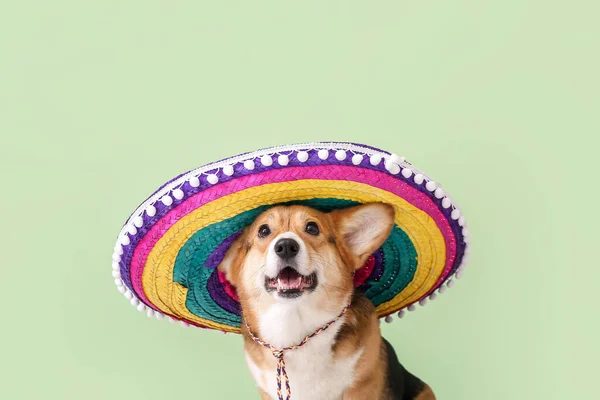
[[220, 297], [217, 256]]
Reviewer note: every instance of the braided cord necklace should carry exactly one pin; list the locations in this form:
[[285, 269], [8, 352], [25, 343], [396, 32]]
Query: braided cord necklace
[[280, 353]]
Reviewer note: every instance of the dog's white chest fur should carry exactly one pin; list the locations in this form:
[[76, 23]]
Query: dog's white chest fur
[[312, 371]]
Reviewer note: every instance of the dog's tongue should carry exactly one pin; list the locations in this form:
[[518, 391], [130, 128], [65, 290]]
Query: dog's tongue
[[288, 278]]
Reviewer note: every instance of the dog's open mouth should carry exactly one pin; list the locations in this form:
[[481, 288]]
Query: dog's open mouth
[[289, 283]]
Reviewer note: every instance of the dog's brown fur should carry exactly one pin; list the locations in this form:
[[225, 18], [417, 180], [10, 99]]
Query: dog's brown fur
[[341, 248]]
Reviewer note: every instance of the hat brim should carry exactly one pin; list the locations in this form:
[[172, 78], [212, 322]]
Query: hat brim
[[167, 252]]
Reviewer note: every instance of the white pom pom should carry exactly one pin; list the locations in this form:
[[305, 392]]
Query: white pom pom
[[194, 181], [388, 319], [228, 170], [212, 179], [406, 172], [118, 282], [460, 272], [302, 156], [125, 240], [131, 229], [116, 257], [134, 301], [397, 159], [451, 283], [128, 295], [455, 214], [178, 194], [159, 315], [167, 200], [461, 221], [184, 324], [376, 159], [116, 266], [116, 274], [357, 159], [466, 232], [393, 168], [323, 154], [141, 307], [283, 160], [412, 307], [439, 193], [138, 221], [423, 301], [431, 186], [150, 312], [466, 239], [121, 289], [446, 203], [401, 314], [249, 164], [419, 178], [118, 249], [151, 211], [442, 288], [433, 296], [266, 160], [340, 155], [171, 320]]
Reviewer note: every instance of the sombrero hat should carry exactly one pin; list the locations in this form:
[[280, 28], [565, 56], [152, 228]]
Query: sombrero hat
[[167, 252]]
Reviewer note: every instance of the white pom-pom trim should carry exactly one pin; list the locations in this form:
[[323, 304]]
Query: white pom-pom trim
[[446, 203], [431, 186], [340, 155], [213, 179], [266, 160], [125, 240], [357, 159], [283, 160], [228, 170], [138, 221], [194, 181], [178, 194], [375, 159], [455, 214], [406, 172], [131, 229], [249, 164], [419, 178], [167, 200], [151, 211], [323, 154], [302, 156], [389, 319]]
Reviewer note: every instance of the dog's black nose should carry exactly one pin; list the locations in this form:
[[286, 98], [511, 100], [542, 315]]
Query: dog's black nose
[[287, 248]]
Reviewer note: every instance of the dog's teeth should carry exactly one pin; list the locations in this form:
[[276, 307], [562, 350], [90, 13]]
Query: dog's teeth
[[278, 283]]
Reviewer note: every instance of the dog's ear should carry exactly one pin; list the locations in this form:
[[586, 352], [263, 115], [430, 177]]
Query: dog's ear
[[233, 257], [363, 229]]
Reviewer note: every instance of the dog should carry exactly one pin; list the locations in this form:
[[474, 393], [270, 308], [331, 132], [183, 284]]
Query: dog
[[293, 270]]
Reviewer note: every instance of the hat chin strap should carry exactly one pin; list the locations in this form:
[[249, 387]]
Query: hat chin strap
[[280, 353]]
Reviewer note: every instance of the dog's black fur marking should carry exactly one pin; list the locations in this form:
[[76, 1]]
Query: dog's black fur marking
[[402, 384]]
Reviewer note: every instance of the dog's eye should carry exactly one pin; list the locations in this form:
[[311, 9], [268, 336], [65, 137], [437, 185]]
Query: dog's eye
[[312, 228], [264, 231]]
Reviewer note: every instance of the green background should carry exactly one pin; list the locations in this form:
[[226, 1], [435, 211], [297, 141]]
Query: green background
[[102, 101]]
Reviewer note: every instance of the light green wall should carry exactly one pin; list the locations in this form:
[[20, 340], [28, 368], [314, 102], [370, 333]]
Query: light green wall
[[102, 101]]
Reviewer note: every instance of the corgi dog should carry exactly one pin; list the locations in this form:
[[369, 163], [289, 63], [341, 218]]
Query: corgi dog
[[308, 334]]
